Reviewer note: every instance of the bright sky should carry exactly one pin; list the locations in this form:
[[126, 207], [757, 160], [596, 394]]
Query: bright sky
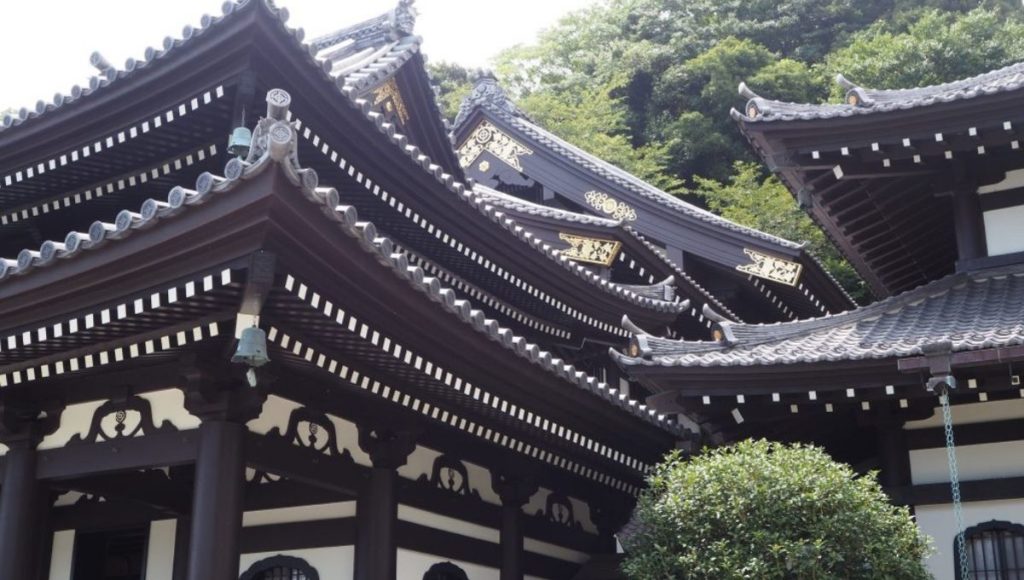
[[45, 44]]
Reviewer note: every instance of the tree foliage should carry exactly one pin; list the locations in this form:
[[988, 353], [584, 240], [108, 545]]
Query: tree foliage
[[660, 76], [770, 511]]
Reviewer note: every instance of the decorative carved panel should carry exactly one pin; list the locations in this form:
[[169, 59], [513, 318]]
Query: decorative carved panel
[[121, 418], [771, 268], [450, 474], [487, 137], [312, 430], [389, 98], [610, 206], [590, 250], [558, 510]]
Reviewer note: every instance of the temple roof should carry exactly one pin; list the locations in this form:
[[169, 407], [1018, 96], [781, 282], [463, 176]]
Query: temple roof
[[489, 95], [275, 146], [969, 311], [865, 101]]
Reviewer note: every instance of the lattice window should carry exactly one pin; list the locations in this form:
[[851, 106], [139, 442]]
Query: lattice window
[[995, 551], [281, 568]]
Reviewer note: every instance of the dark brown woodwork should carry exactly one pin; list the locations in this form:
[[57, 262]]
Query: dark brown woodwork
[[967, 217], [514, 490], [19, 502], [376, 555], [217, 501]]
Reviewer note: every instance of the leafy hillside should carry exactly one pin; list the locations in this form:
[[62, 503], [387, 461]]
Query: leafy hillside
[[648, 84]]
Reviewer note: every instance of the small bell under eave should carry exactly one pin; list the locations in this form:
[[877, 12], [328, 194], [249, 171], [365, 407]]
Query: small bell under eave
[[240, 142], [252, 348]]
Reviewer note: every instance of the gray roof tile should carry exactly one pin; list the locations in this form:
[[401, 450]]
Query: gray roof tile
[[865, 101], [972, 311]]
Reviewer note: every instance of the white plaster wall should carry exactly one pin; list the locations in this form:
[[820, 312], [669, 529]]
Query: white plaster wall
[[986, 461], [420, 462], [331, 563], [75, 420], [1004, 232], [169, 405], [61, 555], [1013, 180], [974, 413], [306, 513], [937, 522], [160, 552]]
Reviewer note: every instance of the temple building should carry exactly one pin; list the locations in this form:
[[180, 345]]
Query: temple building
[[923, 190], [264, 316]]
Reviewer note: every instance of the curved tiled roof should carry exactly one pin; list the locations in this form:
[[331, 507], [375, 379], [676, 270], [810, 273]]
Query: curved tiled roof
[[969, 310], [275, 142], [132, 67], [535, 209], [517, 204], [864, 101], [511, 114]]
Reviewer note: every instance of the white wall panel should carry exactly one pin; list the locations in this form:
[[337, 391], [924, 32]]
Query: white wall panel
[[937, 522], [61, 555], [160, 552]]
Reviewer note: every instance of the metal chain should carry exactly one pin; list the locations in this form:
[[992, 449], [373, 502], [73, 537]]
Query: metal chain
[[954, 483]]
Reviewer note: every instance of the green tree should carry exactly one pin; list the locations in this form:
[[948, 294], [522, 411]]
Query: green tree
[[764, 203], [770, 511], [937, 47], [454, 83]]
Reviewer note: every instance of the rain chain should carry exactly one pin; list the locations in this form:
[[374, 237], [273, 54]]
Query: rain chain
[[954, 482]]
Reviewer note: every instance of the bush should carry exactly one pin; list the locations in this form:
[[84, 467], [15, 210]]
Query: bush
[[767, 510]]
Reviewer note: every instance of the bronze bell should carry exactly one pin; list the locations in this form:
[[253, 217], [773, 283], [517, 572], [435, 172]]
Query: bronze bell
[[252, 348], [240, 141]]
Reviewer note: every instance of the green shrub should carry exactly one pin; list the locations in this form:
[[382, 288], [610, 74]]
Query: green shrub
[[768, 510]]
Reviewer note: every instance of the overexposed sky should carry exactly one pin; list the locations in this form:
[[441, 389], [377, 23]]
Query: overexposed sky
[[45, 44]]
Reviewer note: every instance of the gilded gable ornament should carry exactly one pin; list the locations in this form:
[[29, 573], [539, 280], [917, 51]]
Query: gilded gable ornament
[[609, 205], [487, 137], [771, 268], [389, 99], [590, 250]]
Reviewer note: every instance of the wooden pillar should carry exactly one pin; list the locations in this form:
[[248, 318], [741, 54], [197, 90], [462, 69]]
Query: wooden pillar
[[969, 222], [376, 556], [22, 497], [514, 492], [217, 501], [18, 502], [609, 515], [218, 490]]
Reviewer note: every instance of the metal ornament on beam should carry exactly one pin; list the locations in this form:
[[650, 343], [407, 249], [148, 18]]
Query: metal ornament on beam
[[771, 268], [590, 250], [487, 137]]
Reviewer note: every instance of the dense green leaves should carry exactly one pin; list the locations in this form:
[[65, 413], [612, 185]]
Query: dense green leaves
[[770, 511], [660, 76]]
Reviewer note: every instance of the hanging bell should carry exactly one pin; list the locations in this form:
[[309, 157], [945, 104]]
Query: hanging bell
[[240, 141], [252, 348]]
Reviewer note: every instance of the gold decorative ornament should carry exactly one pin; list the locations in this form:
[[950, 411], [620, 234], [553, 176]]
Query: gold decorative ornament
[[487, 137], [388, 97], [607, 204], [771, 268], [485, 165], [590, 250]]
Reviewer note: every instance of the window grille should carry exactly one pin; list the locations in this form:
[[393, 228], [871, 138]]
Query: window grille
[[995, 551]]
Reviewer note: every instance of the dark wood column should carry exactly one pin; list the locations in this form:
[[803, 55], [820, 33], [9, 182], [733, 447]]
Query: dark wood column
[[969, 222], [514, 491], [376, 555], [609, 515], [893, 455], [22, 497], [219, 480]]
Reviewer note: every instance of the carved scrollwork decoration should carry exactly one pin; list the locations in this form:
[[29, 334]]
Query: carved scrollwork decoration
[[450, 474], [122, 418], [312, 430], [558, 510]]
